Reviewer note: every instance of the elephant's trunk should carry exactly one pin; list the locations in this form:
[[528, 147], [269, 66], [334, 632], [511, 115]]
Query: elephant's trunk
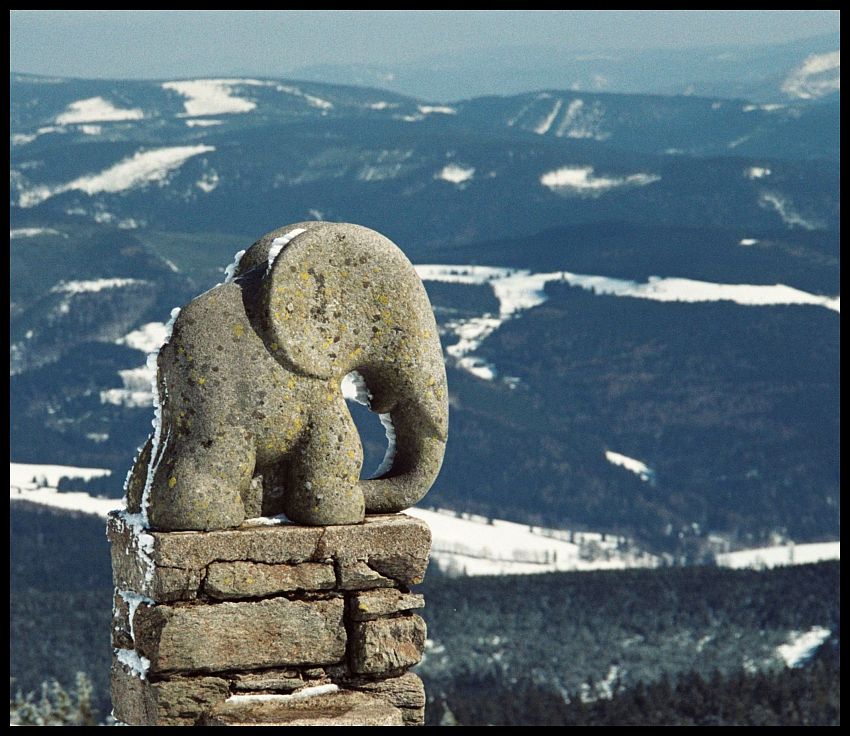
[[418, 455], [416, 404]]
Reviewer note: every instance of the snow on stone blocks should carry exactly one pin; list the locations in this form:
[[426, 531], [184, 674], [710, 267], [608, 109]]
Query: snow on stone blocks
[[272, 624]]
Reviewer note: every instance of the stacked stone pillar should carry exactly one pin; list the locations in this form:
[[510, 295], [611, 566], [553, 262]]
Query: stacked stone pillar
[[272, 624]]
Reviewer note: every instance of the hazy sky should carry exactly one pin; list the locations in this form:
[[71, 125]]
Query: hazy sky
[[139, 44]]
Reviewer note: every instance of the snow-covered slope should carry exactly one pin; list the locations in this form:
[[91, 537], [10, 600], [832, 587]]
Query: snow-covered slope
[[777, 556], [466, 544], [37, 484], [802, 645], [518, 290]]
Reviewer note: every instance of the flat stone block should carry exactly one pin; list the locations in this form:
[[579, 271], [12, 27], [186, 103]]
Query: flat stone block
[[134, 567], [384, 550], [357, 575], [179, 701], [283, 681], [387, 644], [396, 546], [231, 636], [407, 693], [339, 708], [229, 580], [371, 604]]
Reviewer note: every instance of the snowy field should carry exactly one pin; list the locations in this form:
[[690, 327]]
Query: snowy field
[[463, 544], [787, 554], [37, 484], [466, 544], [518, 290]]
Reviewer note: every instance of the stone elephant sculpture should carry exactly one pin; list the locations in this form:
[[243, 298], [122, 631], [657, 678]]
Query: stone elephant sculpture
[[251, 417]]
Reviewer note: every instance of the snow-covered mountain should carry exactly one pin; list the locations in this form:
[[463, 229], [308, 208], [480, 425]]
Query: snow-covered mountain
[[755, 70], [220, 155], [638, 296]]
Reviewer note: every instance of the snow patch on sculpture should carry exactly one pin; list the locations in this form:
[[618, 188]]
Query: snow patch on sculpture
[[134, 662], [389, 453], [302, 694], [158, 443], [133, 601], [278, 244], [354, 388]]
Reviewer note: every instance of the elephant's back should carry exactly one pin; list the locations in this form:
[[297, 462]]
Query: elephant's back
[[215, 362]]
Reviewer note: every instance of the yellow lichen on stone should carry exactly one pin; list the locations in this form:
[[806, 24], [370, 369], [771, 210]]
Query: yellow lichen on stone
[[238, 331]]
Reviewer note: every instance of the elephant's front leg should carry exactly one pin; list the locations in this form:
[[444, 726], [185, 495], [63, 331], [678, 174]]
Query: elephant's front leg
[[324, 471], [198, 484]]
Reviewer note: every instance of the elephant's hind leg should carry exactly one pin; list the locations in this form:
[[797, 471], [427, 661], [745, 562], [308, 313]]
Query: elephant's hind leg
[[199, 485], [323, 483]]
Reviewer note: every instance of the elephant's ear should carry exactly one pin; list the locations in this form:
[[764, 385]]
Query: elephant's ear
[[339, 297], [258, 253]]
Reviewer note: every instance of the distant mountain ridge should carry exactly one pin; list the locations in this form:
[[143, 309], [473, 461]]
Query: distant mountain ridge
[[757, 71], [663, 281], [241, 155]]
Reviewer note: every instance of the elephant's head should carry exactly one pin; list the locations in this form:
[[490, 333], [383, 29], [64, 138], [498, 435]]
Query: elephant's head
[[336, 298]]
